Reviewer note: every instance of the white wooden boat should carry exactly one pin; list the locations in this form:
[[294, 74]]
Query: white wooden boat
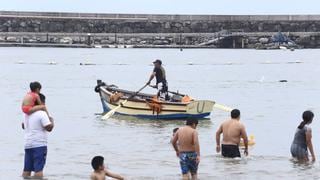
[[145, 106]]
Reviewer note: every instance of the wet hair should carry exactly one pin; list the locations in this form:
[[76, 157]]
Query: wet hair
[[42, 98], [34, 86], [96, 162], [307, 117], [175, 130], [190, 122], [235, 113], [158, 61]]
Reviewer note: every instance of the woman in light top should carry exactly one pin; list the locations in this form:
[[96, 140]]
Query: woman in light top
[[302, 139]]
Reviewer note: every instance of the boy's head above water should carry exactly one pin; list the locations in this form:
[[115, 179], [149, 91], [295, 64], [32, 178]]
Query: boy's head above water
[[97, 163], [35, 87], [175, 130]]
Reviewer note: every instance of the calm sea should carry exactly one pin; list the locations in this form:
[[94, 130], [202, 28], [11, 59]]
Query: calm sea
[[140, 149]]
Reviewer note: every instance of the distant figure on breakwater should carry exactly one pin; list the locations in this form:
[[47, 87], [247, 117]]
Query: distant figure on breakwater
[[36, 127], [232, 131], [161, 81], [186, 144], [100, 172], [302, 139], [31, 102]]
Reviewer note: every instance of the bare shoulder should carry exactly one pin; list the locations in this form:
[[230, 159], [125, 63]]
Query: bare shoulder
[[224, 123], [93, 176], [308, 129], [195, 131], [241, 125], [180, 129]]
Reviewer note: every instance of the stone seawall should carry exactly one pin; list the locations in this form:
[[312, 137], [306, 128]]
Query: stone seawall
[[144, 29]]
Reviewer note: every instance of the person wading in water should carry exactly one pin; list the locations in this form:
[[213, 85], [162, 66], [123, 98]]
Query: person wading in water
[[302, 139]]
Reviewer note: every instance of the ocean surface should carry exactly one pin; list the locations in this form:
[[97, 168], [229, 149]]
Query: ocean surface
[[140, 149]]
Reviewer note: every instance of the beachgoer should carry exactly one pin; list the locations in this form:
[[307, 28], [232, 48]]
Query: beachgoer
[[174, 131], [31, 102], [186, 144], [302, 139], [100, 172], [36, 127], [161, 81], [233, 130]]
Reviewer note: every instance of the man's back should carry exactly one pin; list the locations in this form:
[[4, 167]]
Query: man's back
[[160, 74], [231, 132], [186, 139], [35, 132]]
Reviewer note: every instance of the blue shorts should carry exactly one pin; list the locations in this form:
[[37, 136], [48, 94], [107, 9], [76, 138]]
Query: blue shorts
[[188, 162], [35, 159]]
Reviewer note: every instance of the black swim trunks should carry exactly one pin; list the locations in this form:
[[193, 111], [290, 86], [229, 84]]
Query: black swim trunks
[[230, 151]]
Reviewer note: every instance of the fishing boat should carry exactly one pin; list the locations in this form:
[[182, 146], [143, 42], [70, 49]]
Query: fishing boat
[[146, 106]]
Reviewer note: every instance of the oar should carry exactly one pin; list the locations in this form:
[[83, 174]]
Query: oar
[[222, 107], [112, 111], [218, 106]]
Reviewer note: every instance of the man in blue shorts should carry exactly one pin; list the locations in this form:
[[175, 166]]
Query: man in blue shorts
[[36, 127], [186, 144]]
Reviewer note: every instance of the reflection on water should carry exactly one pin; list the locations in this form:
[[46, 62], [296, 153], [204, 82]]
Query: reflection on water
[[140, 149]]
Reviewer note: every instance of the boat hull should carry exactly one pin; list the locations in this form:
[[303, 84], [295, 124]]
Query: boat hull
[[198, 109]]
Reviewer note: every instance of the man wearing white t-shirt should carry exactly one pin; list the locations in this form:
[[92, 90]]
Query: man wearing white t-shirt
[[36, 127]]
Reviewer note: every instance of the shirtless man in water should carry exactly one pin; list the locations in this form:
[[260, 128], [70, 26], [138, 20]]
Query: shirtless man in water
[[232, 131], [186, 144]]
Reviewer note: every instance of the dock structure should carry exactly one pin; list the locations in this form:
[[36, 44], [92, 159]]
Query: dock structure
[[148, 30]]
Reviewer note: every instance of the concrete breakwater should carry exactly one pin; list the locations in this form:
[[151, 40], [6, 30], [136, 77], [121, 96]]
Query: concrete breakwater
[[143, 30]]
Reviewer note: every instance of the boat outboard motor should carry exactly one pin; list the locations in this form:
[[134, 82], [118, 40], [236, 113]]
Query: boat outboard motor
[[176, 98], [99, 84]]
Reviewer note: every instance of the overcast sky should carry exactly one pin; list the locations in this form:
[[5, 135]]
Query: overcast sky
[[167, 6]]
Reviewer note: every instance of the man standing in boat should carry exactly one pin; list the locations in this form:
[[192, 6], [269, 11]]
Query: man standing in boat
[[161, 84]]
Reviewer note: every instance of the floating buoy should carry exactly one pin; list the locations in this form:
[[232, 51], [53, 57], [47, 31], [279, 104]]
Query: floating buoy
[[251, 141], [52, 63], [283, 80], [20, 62], [120, 64], [87, 64], [190, 63]]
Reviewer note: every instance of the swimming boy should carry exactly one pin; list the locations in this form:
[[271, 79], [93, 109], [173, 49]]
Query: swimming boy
[[186, 144], [100, 172], [174, 131], [232, 131], [31, 102]]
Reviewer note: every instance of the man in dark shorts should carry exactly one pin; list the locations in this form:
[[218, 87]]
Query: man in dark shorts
[[232, 131], [186, 144], [161, 81], [36, 127]]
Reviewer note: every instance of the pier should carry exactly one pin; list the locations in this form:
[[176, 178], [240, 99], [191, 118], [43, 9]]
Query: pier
[[147, 30]]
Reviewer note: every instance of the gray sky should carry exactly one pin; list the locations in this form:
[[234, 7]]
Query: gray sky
[[168, 6]]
